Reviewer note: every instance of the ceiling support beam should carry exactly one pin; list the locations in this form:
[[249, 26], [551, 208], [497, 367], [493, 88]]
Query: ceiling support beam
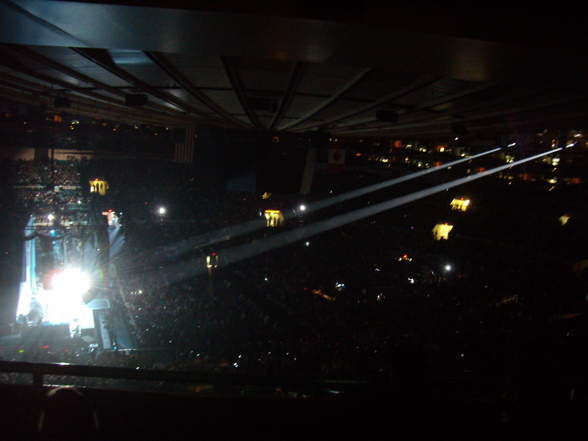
[[239, 90], [31, 94], [10, 61], [295, 77], [496, 121], [329, 101], [426, 106], [419, 84], [174, 73], [63, 69], [102, 58]]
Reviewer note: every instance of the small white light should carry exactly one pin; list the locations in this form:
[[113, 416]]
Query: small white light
[[447, 267], [161, 210], [302, 207]]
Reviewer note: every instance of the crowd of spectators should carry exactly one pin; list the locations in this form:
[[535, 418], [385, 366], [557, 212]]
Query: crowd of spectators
[[45, 186], [352, 300], [42, 173], [346, 301]]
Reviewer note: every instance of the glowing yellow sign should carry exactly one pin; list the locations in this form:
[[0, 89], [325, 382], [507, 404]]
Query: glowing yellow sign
[[441, 231], [460, 204], [98, 186], [274, 218]]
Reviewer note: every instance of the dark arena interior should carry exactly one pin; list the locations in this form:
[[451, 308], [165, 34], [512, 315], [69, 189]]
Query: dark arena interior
[[297, 220]]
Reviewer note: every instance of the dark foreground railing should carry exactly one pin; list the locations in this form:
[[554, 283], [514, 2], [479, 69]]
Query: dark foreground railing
[[44, 374], [161, 404]]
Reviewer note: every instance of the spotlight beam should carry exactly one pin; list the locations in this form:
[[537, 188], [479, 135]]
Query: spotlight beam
[[170, 252], [381, 185], [241, 252]]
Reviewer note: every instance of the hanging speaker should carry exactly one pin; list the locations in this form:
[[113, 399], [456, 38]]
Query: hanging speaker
[[387, 115], [62, 102], [459, 129], [261, 104], [136, 99]]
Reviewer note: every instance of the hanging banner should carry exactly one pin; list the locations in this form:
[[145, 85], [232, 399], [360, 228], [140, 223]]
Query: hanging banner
[[337, 155]]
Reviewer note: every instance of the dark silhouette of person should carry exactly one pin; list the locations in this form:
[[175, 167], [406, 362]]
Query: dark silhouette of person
[[67, 415]]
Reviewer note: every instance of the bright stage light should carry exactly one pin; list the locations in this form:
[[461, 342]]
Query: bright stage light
[[71, 282], [65, 303], [161, 210]]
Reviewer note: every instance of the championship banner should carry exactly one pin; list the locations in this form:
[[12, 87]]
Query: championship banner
[[337, 156]]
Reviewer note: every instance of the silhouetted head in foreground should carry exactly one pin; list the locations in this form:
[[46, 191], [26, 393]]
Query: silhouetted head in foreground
[[67, 415], [408, 370]]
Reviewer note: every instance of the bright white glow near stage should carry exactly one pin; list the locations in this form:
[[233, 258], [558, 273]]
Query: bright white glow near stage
[[71, 282], [61, 301]]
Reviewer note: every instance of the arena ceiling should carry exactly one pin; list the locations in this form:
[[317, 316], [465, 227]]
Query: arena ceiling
[[351, 68]]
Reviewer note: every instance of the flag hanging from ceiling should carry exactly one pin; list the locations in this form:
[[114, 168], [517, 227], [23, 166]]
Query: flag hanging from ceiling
[[337, 155], [184, 151]]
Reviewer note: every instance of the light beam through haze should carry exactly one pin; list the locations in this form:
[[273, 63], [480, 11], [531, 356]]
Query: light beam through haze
[[210, 238], [241, 252]]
